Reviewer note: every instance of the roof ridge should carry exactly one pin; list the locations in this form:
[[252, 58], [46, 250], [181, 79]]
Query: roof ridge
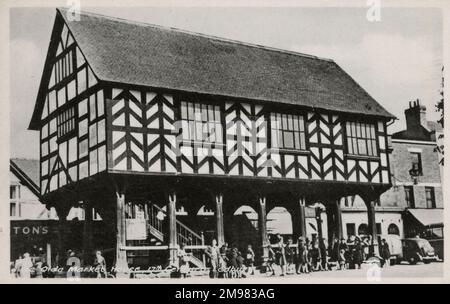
[[213, 37]]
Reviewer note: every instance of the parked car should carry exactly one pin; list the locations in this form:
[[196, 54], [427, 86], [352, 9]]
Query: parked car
[[412, 250], [417, 250], [438, 245]]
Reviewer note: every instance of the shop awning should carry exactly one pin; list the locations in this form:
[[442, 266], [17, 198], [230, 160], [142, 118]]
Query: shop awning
[[428, 217]]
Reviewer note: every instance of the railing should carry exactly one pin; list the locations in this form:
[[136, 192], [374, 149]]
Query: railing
[[155, 222], [185, 235]]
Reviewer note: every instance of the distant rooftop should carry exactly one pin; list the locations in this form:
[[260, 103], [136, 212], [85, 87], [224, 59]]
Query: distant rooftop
[[28, 170], [417, 126]]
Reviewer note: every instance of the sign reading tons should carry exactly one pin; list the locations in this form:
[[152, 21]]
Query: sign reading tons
[[30, 230]]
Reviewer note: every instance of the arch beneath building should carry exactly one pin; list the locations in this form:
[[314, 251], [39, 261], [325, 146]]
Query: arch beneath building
[[279, 221], [243, 228]]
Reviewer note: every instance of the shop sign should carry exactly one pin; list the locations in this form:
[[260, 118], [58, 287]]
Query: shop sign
[[136, 229], [30, 230]]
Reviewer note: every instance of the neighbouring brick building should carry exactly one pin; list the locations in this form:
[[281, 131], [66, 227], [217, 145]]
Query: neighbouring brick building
[[417, 181]]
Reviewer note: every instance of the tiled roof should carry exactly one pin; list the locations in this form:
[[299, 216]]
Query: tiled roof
[[128, 52], [423, 133]]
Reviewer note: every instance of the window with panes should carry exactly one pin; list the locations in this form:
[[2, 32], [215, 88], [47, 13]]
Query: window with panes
[[430, 197], [409, 196], [361, 139], [201, 122], [288, 131], [14, 203], [66, 122], [416, 162]]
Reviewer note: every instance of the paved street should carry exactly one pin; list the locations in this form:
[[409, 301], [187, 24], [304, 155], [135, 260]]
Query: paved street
[[432, 270], [371, 273]]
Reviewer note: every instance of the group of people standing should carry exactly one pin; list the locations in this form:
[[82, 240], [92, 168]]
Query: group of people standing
[[28, 267], [230, 262], [305, 256], [350, 253], [316, 255]]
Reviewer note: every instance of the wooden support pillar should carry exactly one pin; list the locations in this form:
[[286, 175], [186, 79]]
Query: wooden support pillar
[[171, 213], [262, 226], [49, 255], [302, 217], [373, 249], [338, 219], [87, 233], [319, 223], [220, 232], [299, 219], [334, 221], [330, 225], [62, 210], [121, 266], [228, 218]]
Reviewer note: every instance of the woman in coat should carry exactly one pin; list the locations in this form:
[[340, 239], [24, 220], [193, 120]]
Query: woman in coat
[[385, 253], [357, 253]]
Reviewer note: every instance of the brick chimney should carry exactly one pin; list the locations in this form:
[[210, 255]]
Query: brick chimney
[[416, 117]]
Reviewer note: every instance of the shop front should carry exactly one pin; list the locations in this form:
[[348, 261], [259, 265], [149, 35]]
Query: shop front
[[42, 238]]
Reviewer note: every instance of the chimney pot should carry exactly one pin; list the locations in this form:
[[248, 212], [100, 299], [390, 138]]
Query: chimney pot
[[415, 117]]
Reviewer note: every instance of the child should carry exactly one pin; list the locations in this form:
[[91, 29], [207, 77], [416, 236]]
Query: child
[[223, 261], [342, 260], [316, 258], [289, 251], [250, 259], [183, 257], [303, 258], [240, 265], [271, 260]]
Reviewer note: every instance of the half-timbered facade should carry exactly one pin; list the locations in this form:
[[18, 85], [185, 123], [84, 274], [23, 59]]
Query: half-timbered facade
[[132, 113]]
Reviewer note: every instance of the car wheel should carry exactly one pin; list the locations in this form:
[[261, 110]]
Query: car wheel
[[427, 261], [412, 260]]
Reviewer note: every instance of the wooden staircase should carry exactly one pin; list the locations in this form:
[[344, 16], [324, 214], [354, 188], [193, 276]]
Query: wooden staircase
[[195, 242]]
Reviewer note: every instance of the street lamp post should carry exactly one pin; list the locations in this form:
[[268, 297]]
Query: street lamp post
[[414, 172]]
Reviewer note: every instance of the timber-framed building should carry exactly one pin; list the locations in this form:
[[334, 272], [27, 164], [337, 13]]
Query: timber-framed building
[[137, 120]]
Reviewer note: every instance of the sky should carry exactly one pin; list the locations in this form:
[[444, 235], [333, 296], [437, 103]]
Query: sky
[[396, 60]]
